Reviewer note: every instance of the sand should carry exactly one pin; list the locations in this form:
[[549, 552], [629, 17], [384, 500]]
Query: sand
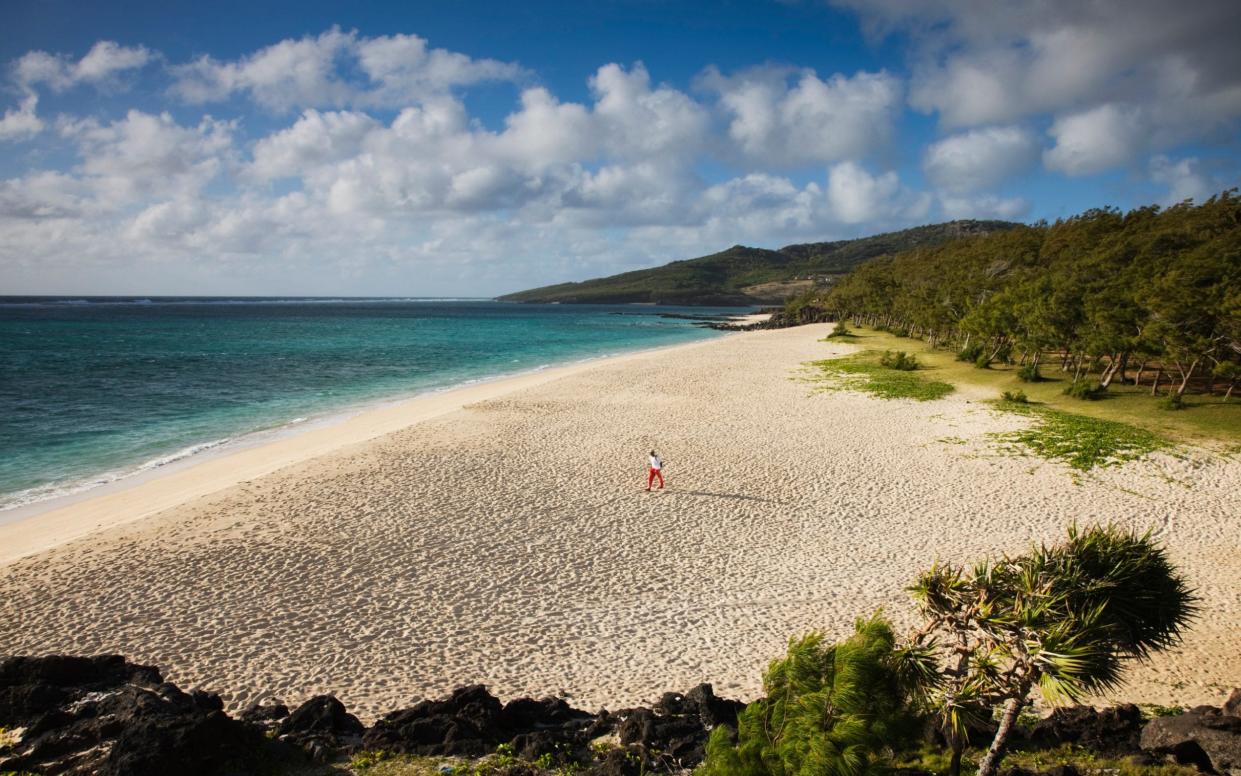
[[505, 537]]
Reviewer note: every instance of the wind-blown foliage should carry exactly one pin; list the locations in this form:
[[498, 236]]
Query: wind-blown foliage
[[1155, 292], [828, 709], [1062, 620]]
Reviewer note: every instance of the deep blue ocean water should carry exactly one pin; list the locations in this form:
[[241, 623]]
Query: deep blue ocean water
[[92, 389]]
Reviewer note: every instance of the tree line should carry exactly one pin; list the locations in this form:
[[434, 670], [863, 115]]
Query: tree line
[[1151, 296]]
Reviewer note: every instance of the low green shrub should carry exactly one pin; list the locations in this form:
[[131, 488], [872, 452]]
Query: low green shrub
[[983, 361], [1174, 401], [900, 332], [841, 330], [1018, 397], [1083, 389], [831, 709], [1029, 374], [970, 353], [899, 360]]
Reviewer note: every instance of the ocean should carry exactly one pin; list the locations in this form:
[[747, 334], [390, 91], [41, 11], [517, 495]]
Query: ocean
[[96, 389]]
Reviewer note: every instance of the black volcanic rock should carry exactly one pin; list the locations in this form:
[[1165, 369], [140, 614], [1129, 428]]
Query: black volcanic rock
[[471, 722], [1206, 737], [106, 716], [674, 732], [264, 713], [33, 686], [321, 726], [1112, 731]]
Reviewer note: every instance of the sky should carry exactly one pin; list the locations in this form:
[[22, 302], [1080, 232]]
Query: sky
[[475, 148]]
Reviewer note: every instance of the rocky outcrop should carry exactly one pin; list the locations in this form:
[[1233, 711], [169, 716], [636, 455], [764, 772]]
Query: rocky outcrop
[[103, 715], [1113, 731], [1205, 736], [321, 726]]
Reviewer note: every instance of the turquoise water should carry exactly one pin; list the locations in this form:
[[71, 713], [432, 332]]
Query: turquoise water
[[95, 389]]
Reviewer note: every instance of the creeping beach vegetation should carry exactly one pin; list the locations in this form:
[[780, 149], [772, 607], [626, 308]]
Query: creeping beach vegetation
[[1082, 442], [867, 372]]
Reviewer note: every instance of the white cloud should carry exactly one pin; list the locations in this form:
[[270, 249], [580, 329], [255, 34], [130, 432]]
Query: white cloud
[[432, 196], [1184, 178], [809, 121], [856, 196], [983, 62], [1095, 140], [986, 206], [314, 139], [143, 155], [1159, 75], [338, 69], [105, 60], [980, 158], [23, 122], [639, 121]]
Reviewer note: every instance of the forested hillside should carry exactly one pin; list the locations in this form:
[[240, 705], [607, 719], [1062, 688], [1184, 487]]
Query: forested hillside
[[742, 275], [1152, 296]]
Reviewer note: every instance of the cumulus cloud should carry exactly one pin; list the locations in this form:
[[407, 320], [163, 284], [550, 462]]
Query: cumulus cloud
[[640, 121], [983, 206], [1142, 67], [636, 173], [1095, 140], [338, 69], [22, 122], [785, 118], [856, 196], [145, 155], [980, 158], [1184, 179], [979, 62], [59, 72]]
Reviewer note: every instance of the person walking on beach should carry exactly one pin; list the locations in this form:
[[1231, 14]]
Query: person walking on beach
[[657, 466]]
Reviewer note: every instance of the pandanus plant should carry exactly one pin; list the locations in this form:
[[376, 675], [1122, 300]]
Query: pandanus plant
[[1063, 620]]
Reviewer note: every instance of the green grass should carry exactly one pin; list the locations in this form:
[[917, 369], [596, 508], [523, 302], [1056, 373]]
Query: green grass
[[935, 760], [1205, 420], [863, 372]]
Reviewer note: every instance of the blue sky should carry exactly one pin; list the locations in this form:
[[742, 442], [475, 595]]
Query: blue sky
[[482, 147]]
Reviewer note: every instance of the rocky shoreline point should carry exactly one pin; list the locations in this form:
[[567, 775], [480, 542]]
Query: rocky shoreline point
[[105, 715]]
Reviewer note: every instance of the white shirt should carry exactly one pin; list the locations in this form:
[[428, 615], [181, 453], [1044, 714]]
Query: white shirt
[[656, 464]]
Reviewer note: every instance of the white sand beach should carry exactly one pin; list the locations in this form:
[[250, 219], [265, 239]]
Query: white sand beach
[[500, 534]]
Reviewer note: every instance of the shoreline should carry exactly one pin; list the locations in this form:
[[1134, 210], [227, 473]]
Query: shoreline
[[46, 524], [508, 541]]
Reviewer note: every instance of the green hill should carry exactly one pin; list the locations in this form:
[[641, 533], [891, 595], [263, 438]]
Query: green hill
[[741, 275]]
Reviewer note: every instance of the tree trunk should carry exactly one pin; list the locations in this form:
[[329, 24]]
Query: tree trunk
[[1155, 385], [991, 761], [1187, 374], [954, 765], [1228, 393], [1117, 366], [1138, 379]]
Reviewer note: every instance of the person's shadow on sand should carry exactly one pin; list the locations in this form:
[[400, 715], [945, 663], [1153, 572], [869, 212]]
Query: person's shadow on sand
[[731, 496]]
